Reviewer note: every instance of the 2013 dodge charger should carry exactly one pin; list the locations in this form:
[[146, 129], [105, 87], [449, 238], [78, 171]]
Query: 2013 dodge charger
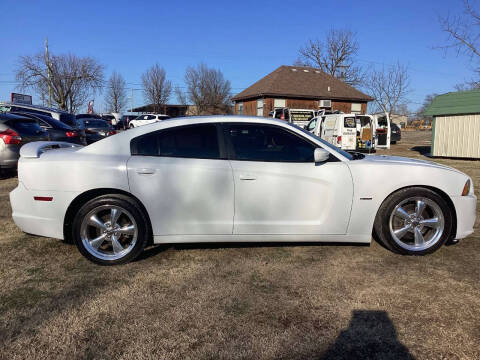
[[217, 179]]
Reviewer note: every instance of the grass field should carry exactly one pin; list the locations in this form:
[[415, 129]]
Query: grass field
[[237, 301]]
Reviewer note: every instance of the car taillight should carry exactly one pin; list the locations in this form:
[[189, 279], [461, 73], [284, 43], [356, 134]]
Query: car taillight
[[112, 132], [71, 133], [339, 139], [10, 137]]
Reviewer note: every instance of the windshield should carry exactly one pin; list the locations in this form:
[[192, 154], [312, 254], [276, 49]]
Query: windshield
[[327, 144]]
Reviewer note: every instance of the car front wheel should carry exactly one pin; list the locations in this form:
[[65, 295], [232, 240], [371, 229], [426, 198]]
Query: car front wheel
[[414, 221], [111, 230]]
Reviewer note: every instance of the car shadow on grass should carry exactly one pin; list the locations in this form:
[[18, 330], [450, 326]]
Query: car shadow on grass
[[370, 335], [7, 173], [422, 150], [156, 249]]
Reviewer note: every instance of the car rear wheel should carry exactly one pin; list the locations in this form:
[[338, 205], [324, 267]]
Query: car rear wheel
[[131, 126], [414, 221], [111, 229]]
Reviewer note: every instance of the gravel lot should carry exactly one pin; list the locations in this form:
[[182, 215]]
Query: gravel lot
[[259, 301]]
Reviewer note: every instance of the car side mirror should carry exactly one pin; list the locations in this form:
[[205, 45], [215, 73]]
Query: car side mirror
[[321, 155]]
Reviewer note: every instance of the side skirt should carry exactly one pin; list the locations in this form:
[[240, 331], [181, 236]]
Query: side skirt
[[167, 239]]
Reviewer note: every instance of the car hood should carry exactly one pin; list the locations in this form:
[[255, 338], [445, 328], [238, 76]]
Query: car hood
[[386, 159]]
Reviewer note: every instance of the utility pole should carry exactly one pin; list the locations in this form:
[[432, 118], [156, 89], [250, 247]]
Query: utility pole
[[47, 62], [131, 102]]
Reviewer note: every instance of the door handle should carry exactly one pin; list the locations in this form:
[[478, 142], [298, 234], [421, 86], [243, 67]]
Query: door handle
[[247, 177], [145, 171]]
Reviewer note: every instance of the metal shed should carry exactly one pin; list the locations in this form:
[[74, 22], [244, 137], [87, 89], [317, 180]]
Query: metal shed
[[456, 124]]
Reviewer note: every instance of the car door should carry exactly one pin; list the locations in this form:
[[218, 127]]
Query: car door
[[184, 180], [382, 131], [278, 187]]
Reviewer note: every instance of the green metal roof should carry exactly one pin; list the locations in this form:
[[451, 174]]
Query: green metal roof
[[454, 103]]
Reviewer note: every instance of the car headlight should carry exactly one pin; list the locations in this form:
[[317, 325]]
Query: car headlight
[[466, 188]]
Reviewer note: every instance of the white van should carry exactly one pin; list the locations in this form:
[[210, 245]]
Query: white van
[[352, 131]]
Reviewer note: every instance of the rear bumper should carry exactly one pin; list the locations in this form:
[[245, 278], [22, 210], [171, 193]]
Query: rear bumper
[[465, 208], [9, 155], [44, 218]]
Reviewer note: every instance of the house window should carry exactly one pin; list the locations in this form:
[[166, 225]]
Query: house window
[[279, 103], [260, 107], [240, 108], [356, 108]]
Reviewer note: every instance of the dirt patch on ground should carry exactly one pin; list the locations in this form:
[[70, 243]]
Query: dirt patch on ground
[[241, 301]]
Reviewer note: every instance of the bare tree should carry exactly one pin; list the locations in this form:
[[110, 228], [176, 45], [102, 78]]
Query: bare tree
[[68, 78], [426, 103], [181, 97], [207, 90], [116, 94], [334, 55], [463, 36], [156, 88], [389, 86]]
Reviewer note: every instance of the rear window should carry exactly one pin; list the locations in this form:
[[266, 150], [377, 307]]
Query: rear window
[[25, 126], [68, 119], [95, 123], [302, 115]]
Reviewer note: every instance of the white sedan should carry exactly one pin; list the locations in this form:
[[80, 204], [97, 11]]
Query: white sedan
[[218, 179], [146, 119]]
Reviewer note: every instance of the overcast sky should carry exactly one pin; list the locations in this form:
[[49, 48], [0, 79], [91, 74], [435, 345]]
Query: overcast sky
[[246, 39]]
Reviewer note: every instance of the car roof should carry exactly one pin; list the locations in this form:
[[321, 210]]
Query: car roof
[[36, 107], [116, 144], [9, 116]]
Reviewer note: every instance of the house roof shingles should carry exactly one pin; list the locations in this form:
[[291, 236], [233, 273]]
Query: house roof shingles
[[301, 82], [455, 103]]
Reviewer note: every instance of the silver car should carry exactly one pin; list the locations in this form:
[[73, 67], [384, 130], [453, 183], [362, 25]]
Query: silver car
[[16, 131]]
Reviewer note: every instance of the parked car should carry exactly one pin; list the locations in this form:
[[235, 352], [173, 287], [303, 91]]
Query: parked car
[[96, 129], [57, 114], [57, 131], [396, 133], [147, 119], [16, 131], [227, 178]]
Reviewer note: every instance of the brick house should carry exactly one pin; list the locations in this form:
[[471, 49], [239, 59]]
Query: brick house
[[299, 87]]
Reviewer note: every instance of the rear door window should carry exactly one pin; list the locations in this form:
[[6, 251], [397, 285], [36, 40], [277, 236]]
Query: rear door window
[[198, 141]]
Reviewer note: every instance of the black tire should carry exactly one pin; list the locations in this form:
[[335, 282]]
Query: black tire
[[382, 220], [143, 234]]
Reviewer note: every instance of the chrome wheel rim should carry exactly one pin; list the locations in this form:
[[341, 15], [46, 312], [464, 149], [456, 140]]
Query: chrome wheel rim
[[417, 223], [109, 232]]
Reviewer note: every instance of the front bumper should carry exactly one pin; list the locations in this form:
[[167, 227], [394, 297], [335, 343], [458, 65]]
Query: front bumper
[[465, 208], [44, 218]]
